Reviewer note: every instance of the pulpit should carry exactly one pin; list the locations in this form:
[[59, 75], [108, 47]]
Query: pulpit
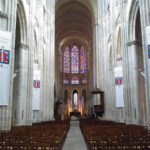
[[99, 109]]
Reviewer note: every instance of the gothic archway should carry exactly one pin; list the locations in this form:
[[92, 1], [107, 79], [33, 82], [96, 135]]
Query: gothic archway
[[74, 48], [140, 72], [75, 102], [136, 80], [2, 6], [20, 99]]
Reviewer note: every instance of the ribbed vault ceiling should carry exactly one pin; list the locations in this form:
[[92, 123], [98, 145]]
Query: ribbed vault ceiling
[[73, 19]]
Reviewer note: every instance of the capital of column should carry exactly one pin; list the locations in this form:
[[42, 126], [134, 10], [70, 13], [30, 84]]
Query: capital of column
[[4, 15], [22, 45], [136, 42]]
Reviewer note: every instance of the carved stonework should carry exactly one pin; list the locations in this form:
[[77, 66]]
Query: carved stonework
[[134, 43], [22, 45], [4, 15]]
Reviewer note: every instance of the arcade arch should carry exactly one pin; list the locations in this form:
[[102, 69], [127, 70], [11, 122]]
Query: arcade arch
[[74, 32]]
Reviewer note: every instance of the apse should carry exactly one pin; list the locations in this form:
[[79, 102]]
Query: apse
[[73, 52]]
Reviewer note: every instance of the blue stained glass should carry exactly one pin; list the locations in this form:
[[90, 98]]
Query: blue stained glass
[[68, 102], [75, 59], [60, 61], [66, 81], [82, 101]]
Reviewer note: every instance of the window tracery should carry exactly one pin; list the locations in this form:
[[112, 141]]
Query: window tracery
[[84, 80], [74, 62], [75, 59], [67, 60], [75, 80], [82, 60]]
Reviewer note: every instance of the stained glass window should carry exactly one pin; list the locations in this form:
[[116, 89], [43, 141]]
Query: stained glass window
[[66, 80], [84, 80], [82, 101], [82, 60], [68, 103], [67, 60], [75, 59], [75, 97], [60, 60], [75, 80], [88, 60]]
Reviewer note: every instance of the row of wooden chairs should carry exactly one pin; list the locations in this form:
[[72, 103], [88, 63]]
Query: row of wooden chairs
[[104, 135], [40, 136]]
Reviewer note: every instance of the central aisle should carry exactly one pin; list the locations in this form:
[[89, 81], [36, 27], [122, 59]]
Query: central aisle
[[75, 139]]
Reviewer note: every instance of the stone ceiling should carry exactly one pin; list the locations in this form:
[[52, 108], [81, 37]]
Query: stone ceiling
[[73, 19]]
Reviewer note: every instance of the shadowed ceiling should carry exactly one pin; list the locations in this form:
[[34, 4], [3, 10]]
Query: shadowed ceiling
[[73, 19]]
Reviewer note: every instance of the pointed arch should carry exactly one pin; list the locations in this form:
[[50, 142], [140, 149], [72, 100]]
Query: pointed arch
[[110, 58], [137, 84], [132, 19], [91, 5], [119, 43], [75, 100], [22, 22], [35, 44], [20, 100], [119, 48], [2, 6]]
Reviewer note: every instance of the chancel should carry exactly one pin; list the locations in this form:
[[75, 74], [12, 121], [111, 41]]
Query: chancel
[[74, 74]]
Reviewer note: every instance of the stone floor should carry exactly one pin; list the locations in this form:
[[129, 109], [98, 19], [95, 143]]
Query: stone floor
[[75, 139]]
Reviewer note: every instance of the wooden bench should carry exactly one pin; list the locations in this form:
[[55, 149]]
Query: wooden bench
[[110, 135], [40, 136]]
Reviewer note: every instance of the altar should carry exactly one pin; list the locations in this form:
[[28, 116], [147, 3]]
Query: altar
[[75, 114]]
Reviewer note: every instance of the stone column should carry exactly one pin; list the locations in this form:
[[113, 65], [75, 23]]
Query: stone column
[[71, 101], [20, 86], [145, 21], [48, 109], [8, 23], [133, 82]]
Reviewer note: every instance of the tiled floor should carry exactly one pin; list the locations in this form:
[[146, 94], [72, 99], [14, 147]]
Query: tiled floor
[[75, 139]]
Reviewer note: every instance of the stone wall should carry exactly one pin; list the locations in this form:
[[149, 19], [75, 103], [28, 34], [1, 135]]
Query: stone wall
[[34, 30], [118, 45], [119, 39]]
